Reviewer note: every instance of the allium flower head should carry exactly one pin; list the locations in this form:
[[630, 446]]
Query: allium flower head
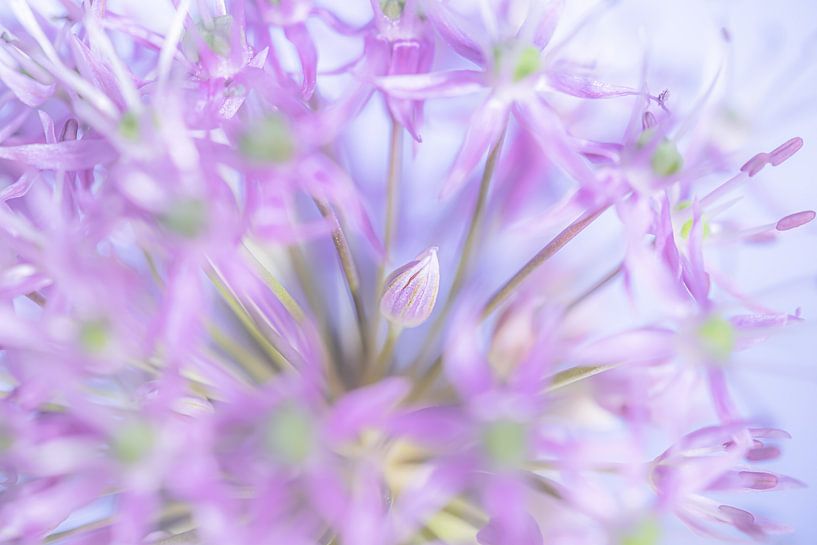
[[212, 329]]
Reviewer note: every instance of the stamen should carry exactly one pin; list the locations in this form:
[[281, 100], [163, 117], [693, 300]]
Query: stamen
[[774, 157], [762, 454], [793, 221], [755, 164], [757, 480], [784, 151], [70, 130], [648, 120]]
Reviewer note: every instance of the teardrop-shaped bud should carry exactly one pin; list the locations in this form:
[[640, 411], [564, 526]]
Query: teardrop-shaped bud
[[411, 290]]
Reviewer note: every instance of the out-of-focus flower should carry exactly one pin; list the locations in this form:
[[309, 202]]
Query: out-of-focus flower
[[193, 283], [708, 460]]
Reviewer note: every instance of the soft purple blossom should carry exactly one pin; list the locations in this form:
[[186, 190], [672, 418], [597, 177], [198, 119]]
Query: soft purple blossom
[[212, 328]]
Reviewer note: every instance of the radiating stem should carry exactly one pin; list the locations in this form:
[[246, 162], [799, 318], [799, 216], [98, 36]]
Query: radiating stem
[[275, 285], [392, 192], [347, 265], [382, 363], [297, 313], [249, 324], [606, 279], [568, 233], [317, 304], [245, 358], [425, 380], [248, 361], [188, 537], [468, 247]]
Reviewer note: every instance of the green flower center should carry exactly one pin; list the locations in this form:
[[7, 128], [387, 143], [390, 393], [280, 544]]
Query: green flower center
[[666, 159], [217, 35], [505, 442], [528, 62], [94, 335], [129, 126], [290, 435], [647, 533], [269, 140], [6, 440], [393, 9], [188, 218], [133, 442], [717, 337]]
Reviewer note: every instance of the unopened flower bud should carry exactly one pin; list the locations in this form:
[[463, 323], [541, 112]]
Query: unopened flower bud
[[411, 290]]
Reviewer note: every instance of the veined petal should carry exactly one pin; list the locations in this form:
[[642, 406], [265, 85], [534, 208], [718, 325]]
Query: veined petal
[[324, 179], [299, 36], [549, 132], [444, 22], [694, 274], [434, 85], [581, 86], [487, 125], [411, 291], [20, 187], [545, 20], [69, 155], [30, 91]]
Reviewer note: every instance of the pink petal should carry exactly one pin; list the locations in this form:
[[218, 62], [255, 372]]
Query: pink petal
[[486, 126], [299, 36], [434, 85], [69, 155]]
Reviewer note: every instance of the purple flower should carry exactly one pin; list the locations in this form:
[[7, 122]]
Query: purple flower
[[212, 329], [708, 460], [515, 70]]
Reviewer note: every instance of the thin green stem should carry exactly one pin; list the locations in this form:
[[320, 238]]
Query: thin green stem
[[189, 537], [422, 384], [381, 365], [570, 232], [392, 193], [256, 368], [549, 250], [317, 304], [295, 310], [277, 288], [576, 374], [249, 324], [349, 269], [468, 247], [582, 297], [253, 366]]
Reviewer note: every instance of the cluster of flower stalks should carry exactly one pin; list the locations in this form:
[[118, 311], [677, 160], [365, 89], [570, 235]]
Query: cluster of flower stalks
[[236, 308]]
